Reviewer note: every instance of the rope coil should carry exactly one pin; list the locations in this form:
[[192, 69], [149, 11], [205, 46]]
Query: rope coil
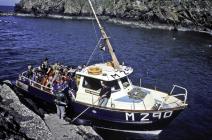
[[94, 70]]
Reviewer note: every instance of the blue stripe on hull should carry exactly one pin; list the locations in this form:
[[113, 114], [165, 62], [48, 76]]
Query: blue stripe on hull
[[117, 120]]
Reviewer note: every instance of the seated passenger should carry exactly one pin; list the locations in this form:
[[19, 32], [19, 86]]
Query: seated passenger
[[56, 87], [65, 71], [49, 81], [50, 71], [56, 66], [49, 77], [39, 77]]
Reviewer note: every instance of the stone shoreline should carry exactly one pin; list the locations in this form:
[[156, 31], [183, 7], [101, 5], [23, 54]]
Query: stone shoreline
[[134, 24], [18, 121]]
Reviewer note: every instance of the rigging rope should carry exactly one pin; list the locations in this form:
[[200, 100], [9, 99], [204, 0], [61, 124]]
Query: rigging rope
[[97, 45], [95, 30], [101, 54]]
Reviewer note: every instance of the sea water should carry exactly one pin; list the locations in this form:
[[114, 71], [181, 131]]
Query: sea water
[[160, 58]]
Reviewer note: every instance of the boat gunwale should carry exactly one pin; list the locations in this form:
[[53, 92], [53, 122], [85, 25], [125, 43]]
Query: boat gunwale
[[105, 108], [117, 109], [134, 111], [32, 81], [96, 106]]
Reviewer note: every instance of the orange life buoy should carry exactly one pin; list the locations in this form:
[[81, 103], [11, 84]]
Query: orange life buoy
[[94, 70]]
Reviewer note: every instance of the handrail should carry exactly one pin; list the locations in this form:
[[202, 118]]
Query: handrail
[[31, 82], [170, 94], [185, 94]]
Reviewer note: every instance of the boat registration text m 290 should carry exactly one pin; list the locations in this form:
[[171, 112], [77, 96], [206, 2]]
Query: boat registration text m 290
[[145, 117]]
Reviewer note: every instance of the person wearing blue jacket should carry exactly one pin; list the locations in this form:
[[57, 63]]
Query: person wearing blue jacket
[[60, 99]]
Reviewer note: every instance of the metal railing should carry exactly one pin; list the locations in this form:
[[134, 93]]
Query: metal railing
[[35, 84], [176, 95]]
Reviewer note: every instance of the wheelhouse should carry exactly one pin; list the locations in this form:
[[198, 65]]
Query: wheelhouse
[[125, 95]]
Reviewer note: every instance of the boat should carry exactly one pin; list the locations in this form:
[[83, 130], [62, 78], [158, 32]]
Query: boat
[[130, 108]]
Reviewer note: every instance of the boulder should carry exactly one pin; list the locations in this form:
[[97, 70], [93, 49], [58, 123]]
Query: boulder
[[63, 130], [17, 121]]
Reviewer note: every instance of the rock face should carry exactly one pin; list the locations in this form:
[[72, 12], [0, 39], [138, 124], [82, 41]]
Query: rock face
[[17, 121], [64, 130], [184, 13]]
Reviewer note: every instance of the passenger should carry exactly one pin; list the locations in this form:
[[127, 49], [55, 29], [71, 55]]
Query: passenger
[[60, 100], [55, 87], [61, 70], [72, 87], [105, 94], [50, 71], [56, 76], [79, 68], [45, 66], [49, 77], [56, 67], [83, 66], [46, 63], [39, 77], [63, 83], [30, 72], [49, 81], [65, 71], [34, 77]]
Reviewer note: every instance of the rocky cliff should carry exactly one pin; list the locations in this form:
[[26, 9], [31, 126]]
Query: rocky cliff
[[191, 14]]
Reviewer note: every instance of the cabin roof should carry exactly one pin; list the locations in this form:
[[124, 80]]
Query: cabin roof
[[108, 72]]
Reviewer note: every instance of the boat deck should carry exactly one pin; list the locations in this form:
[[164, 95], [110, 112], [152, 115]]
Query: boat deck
[[122, 100]]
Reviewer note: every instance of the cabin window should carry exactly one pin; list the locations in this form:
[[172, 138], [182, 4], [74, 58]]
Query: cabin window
[[114, 85], [91, 83], [125, 82]]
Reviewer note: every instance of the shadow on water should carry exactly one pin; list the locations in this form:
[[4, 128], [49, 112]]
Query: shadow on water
[[111, 135]]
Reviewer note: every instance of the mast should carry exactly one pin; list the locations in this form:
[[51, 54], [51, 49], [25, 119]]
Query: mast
[[106, 38]]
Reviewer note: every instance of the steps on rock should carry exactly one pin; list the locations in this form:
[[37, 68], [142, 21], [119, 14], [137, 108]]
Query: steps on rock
[[63, 130]]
